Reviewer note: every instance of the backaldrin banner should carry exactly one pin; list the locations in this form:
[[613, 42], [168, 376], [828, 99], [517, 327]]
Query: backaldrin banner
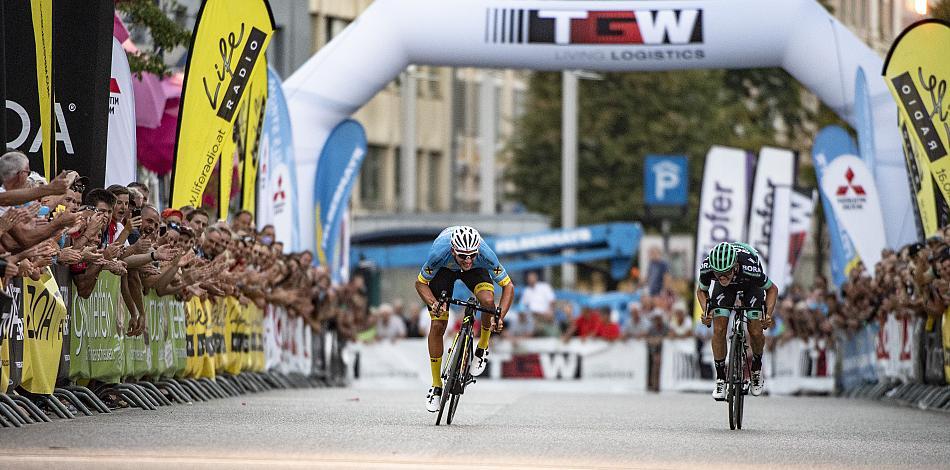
[[722, 207], [276, 182], [28, 50], [121, 153], [337, 168], [230, 38], [916, 71], [774, 169], [830, 143]]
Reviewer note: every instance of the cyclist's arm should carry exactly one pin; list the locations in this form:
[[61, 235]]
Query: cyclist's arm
[[425, 293], [771, 295], [702, 297], [507, 296]]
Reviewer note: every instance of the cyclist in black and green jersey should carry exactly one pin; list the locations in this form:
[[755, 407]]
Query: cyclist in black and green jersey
[[735, 274]]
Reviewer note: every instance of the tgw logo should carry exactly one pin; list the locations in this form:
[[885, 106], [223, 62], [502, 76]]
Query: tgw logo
[[647, 27]]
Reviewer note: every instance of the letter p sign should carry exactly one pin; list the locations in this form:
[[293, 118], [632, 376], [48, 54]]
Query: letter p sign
[[665, 180]]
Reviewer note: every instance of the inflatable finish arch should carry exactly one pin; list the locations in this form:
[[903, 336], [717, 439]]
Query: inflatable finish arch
[[797, 35]]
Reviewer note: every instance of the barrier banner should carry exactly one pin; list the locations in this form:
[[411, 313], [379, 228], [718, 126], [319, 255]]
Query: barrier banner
[[858, 358], [230, 38], [276, 179], [272, 338], [96, 344], [800, 366], [82, 85], [723, 203], [932, 348], [234, 336], [44, 320], [11, 338], [830, 143], [680, 365], [896, 348], [619, 366], [138, 355], [28, 56], [165, 335], [220, 335], [916, 71], [177, 329], [255, 338], [64, 281], [200, 344]]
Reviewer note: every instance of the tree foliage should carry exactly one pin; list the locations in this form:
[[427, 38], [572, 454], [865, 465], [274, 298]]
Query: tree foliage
[[626, 116], [941, 10], [157, 20]]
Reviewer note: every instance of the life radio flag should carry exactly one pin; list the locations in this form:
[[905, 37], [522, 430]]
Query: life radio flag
[[850, 188], [229, 42], [28, 56], [916, 71], [276, 183], [121, 153], [251, 150], [723, 203]]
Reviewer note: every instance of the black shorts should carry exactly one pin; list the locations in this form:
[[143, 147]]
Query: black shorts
[[477, 280], [724, 298]]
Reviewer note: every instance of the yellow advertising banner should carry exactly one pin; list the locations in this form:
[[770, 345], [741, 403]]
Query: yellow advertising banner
[[916, 71], [44, 326], [946, 344], [228, 44], [255, 119], [42, 11]]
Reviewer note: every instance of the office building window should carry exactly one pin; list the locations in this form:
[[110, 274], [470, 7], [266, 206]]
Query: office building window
[[335, 26], [435, 182], [371, 178]]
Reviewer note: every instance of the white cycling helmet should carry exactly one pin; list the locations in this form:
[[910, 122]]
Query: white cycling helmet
[[466, 239]]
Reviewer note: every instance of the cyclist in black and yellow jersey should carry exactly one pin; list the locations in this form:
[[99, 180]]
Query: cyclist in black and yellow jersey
[[735, 273]]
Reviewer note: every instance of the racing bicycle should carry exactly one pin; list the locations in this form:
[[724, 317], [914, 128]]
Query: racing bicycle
[[737, 386], [455, 375]]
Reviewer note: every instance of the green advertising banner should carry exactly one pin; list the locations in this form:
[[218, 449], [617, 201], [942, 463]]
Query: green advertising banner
[[96, 337]]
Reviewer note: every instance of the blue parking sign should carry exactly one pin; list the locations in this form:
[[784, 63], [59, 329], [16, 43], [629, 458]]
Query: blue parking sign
[[666, 180]]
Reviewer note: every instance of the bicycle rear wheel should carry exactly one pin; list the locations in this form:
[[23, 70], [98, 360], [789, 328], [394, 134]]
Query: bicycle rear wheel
[[451, 377], [461, 377]]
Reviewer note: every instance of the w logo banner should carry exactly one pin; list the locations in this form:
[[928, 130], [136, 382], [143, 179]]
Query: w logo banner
[[645, 27]]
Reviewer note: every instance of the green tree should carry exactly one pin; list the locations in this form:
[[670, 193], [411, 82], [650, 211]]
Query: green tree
[[626, 116], [159, 21]]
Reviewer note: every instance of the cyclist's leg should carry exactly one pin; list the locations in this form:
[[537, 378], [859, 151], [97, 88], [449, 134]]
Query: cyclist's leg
[[479, 282], [721, 300], [444, 280], [755, 298]]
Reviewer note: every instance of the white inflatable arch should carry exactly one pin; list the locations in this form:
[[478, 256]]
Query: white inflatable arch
[[611, 35]]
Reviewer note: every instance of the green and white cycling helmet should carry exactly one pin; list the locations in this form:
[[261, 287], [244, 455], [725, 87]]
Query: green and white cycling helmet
[[723, 257]]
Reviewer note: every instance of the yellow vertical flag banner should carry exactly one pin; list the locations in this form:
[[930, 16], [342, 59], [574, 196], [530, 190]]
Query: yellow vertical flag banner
[[44, 324], [228, 44], [946, 344], [42, 11], [916, 71], [255, 118]]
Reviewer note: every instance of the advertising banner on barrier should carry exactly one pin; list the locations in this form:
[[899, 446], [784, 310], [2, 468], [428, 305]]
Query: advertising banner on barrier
[[854, 199], [916, 71], [946, 344], [82, 86], [800, 366], [858, 358], [199, 345], [11, 337], [121, 151], [830, 143], [236, 32], [276, 179], [932, 349], [722, 206], [618, 366], [272, 338], [98, 329], [337, 168], [896, 348], [44, 321], [28, 43], [64, 281], [775, 168]]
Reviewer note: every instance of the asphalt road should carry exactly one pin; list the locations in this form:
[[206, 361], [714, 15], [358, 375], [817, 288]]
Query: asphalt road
[[349, 428]]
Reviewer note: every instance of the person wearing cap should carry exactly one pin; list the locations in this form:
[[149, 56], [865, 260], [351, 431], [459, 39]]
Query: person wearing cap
[[172, 216]]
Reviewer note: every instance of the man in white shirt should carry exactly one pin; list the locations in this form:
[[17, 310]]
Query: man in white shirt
[[389, 326], [537, 301]]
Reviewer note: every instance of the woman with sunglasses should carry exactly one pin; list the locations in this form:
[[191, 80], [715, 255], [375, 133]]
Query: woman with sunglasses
[[735, 273], [458, 253]]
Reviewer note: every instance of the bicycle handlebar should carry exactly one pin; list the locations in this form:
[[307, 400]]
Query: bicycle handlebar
[[445, 299]]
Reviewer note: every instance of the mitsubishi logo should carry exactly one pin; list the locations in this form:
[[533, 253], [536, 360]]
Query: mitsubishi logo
[[843, 190], [280, 194], [114, 86]]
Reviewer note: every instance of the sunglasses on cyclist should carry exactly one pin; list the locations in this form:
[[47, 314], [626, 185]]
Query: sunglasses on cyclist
[[466, 256]]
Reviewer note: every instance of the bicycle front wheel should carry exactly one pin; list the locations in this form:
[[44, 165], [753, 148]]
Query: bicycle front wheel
[[451, 377], [734, 383]]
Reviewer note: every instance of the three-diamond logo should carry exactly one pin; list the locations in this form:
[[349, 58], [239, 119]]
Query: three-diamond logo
[[843, 190]]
